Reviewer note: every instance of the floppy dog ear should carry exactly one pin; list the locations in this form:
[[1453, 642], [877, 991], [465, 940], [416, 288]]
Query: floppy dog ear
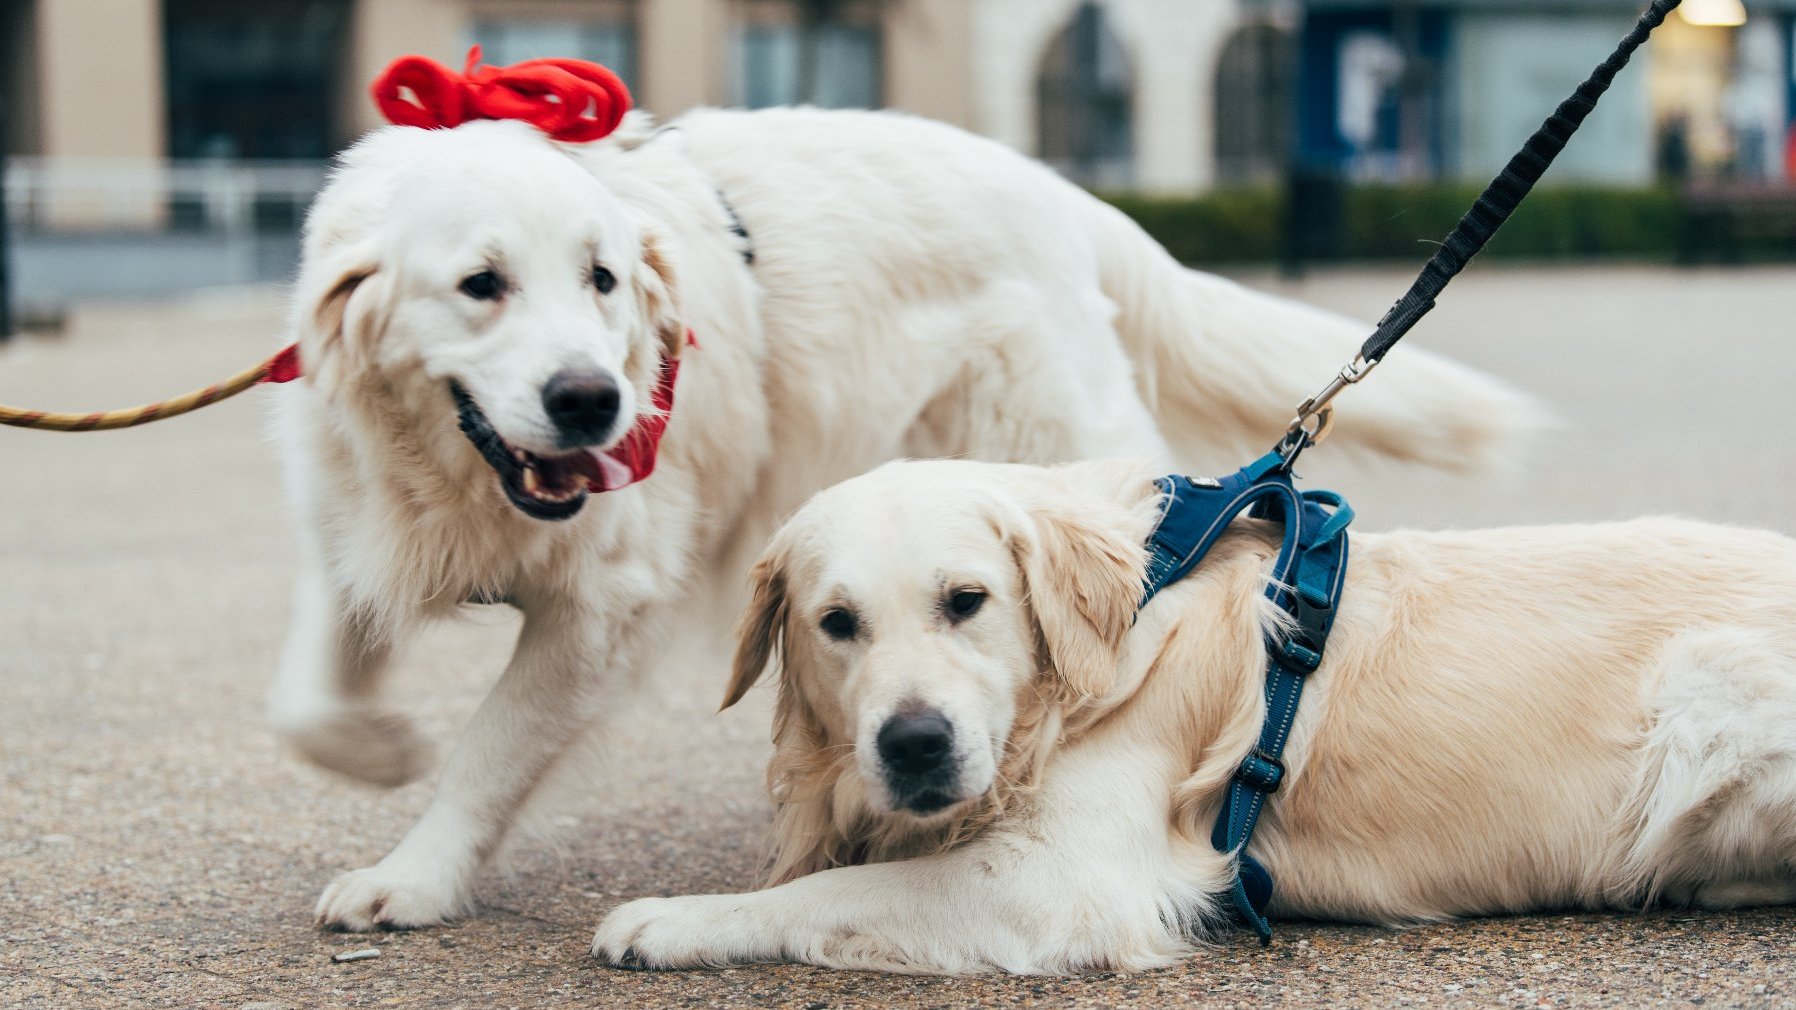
[[801, 775], [759, 635], [339, 311], [660, 296], [1084, 581]]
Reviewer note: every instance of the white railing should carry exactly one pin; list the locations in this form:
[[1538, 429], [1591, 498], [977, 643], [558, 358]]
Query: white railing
[[89, 195]]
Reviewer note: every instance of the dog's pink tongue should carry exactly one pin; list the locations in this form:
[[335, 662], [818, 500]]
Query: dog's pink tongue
[[601, 471]]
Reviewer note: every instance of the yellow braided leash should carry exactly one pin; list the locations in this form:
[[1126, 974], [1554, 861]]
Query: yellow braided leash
[[280, 368]]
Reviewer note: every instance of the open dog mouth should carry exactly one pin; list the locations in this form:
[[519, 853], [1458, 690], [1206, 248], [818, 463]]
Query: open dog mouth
[[542, 487]]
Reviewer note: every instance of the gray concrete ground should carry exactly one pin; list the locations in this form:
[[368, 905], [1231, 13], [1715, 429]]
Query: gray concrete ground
[[158, 848]]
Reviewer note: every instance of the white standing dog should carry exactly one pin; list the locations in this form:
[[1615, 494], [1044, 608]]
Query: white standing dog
[[483, 314], [1504, 720]]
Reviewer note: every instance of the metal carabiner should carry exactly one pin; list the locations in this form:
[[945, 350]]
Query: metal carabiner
[[1301, 434]]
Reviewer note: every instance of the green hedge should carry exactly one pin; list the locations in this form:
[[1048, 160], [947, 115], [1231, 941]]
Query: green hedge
[[1405, 222], [1228, 226]]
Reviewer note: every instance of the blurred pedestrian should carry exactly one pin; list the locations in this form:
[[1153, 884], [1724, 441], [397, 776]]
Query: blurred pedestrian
[[1674, 148]]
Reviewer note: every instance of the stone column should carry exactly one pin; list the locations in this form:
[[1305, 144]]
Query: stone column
[[1174, 49], [103, 108], [682, 53], [381, 30], [1010, 38], [929, 60]]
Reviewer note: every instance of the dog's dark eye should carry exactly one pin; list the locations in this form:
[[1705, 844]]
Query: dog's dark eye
[[839, 624], [483, 286], [964, 603], [603, 279]]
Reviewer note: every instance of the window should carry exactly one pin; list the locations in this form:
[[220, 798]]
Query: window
[[1255, 104], [253, 78], [1084, 99], [604, 33], [807, 52]]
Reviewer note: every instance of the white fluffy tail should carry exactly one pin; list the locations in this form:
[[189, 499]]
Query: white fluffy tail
[[1223, 364]]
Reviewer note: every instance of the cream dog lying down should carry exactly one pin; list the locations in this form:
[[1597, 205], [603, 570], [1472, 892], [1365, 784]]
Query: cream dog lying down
[[984, 760]]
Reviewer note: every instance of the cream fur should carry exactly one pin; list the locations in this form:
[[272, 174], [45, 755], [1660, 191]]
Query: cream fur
[[915, 291], [1506, 720]]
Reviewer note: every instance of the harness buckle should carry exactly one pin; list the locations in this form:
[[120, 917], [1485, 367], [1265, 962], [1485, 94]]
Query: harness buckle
[[1301, 651], [1296, 657], [1261, 772]]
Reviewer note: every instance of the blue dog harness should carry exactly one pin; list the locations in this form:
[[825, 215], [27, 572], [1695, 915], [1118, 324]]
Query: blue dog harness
[[1306, 585], [1312, 562]]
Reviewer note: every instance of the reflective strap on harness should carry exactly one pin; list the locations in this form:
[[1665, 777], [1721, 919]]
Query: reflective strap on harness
[[1306, 581]]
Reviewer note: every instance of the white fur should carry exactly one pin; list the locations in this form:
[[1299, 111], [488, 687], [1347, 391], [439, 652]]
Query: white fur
[[1505, 720], [915, 290]]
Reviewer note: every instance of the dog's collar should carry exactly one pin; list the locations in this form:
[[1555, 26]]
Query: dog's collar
[[642, 442], [1306, 584], [737, 228], [746, 247]]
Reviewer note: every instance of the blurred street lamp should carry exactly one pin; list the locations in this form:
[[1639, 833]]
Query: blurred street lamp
[[1412, 93], [1713, 13], [6, 322]]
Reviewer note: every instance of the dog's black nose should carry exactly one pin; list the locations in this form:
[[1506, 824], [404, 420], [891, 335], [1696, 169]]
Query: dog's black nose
[[916, 744], [582, 404]]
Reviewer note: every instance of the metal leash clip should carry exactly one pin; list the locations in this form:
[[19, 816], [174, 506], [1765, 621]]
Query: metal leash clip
[[1315, 418]]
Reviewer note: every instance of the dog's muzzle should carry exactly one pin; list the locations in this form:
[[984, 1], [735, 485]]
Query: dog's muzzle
[[542, 487]]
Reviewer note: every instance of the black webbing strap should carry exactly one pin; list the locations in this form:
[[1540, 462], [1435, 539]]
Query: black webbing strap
[[1507, 190]]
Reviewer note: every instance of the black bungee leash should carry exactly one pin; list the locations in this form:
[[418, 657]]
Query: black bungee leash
[[1309, 573], [1474, 231]]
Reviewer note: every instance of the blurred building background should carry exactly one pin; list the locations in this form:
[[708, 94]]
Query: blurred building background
[[156, 145]]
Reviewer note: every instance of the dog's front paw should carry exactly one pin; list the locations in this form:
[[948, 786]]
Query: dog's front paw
[[370, 745], [386, 897], [700, 931]]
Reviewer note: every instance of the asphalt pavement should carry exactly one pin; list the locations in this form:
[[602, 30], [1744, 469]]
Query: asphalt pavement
[[158, 847]]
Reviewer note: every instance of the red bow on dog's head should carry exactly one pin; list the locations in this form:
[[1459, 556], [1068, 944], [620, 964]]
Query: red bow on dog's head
[[570, 100]]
